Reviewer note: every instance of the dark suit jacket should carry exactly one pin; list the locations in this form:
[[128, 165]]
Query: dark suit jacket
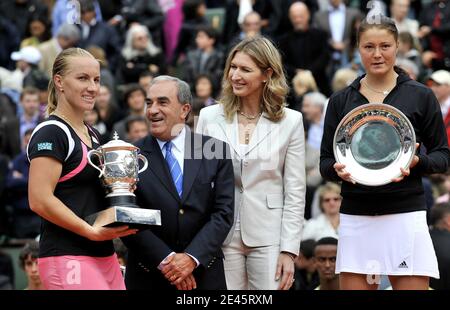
[[197, 223], [307, 50], [105, 36]]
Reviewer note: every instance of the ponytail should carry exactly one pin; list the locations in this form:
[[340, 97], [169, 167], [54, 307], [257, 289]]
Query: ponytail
[[52, 99]]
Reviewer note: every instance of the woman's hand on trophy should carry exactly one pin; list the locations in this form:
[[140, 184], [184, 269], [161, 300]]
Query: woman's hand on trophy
[[406, 172], [342, 173], [99, 233]]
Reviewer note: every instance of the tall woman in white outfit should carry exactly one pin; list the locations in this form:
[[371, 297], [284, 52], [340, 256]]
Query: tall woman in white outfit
[[267, 147]]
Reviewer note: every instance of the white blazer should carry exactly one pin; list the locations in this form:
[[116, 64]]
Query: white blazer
[[269, 177]]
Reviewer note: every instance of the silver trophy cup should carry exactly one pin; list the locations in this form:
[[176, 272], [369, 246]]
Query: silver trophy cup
[[118, 164]]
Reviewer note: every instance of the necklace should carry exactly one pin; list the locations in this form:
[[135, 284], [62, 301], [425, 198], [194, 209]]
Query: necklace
[[84, 131], [384, 92], [249, 117], [247, 137], [248, 129]]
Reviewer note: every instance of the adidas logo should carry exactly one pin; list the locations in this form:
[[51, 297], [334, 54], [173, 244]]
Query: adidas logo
[[403, 265]]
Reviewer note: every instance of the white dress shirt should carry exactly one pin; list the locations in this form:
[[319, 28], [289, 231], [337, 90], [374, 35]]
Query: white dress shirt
[[336, 18], [337, 22]]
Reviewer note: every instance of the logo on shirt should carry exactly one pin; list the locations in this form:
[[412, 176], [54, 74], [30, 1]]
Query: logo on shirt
[[45, 146], [403, 265]]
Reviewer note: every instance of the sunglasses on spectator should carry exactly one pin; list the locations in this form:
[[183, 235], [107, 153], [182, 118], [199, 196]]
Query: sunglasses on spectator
[[334, 199]]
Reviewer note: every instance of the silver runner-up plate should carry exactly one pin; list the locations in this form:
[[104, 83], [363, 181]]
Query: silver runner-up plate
[[374, 141]]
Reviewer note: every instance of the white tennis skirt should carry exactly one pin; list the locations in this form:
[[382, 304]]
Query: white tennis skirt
[[393, 244]]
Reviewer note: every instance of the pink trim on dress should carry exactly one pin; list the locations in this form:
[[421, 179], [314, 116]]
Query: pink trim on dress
[[78, 169]]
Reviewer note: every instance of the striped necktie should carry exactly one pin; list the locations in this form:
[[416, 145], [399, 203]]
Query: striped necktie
[[174, 168]]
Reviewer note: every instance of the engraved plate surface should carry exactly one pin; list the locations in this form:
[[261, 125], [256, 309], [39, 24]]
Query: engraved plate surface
[[374, 141]]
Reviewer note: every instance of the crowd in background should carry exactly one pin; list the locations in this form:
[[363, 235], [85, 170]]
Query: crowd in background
[[137, 40]]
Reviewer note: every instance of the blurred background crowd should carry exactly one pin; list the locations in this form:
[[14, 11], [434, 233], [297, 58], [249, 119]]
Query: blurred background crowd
[[137, 40]]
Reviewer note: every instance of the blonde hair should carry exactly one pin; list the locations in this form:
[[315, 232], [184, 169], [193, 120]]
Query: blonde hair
[[129, 52], [328, 187], [265, 55], [343, 78], [304, 79], [99, 54], [61, 67]]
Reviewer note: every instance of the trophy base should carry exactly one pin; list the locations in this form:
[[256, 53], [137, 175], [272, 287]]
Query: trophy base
[[130, 215]]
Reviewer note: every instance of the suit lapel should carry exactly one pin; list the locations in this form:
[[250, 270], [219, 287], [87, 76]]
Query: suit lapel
[[157, 164], [192, 161], [231, 131], [263, 128]]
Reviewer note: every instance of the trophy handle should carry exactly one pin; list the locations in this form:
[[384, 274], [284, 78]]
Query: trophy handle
[[140, 156], [98, 154]]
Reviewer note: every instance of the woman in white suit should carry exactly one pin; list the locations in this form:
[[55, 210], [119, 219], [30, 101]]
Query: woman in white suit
[[268, 151]]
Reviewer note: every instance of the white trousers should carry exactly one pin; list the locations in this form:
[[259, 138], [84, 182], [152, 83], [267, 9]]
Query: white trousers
[[250, 268]]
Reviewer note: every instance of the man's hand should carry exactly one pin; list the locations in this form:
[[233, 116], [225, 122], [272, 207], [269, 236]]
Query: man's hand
[[338, 46], [423, 31], [178, 268], [427, 58], [187, 284]]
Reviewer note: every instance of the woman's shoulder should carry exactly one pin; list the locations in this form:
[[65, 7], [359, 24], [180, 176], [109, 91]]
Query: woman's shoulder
[[291, 113], [418, 93], [419, 87], [293, 116], [341, 94], [51, 127], [318, 220], [212, 111]]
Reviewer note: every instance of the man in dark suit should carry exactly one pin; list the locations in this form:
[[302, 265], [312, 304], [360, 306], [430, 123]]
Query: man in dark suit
[[338, 22], [305, 48], [98, 33], [195, 196]]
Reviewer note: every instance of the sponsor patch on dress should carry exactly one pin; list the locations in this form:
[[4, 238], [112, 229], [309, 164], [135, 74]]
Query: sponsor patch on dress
[[45, 146]]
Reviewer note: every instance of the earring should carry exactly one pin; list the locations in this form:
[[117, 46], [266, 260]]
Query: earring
[[264, 81]]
